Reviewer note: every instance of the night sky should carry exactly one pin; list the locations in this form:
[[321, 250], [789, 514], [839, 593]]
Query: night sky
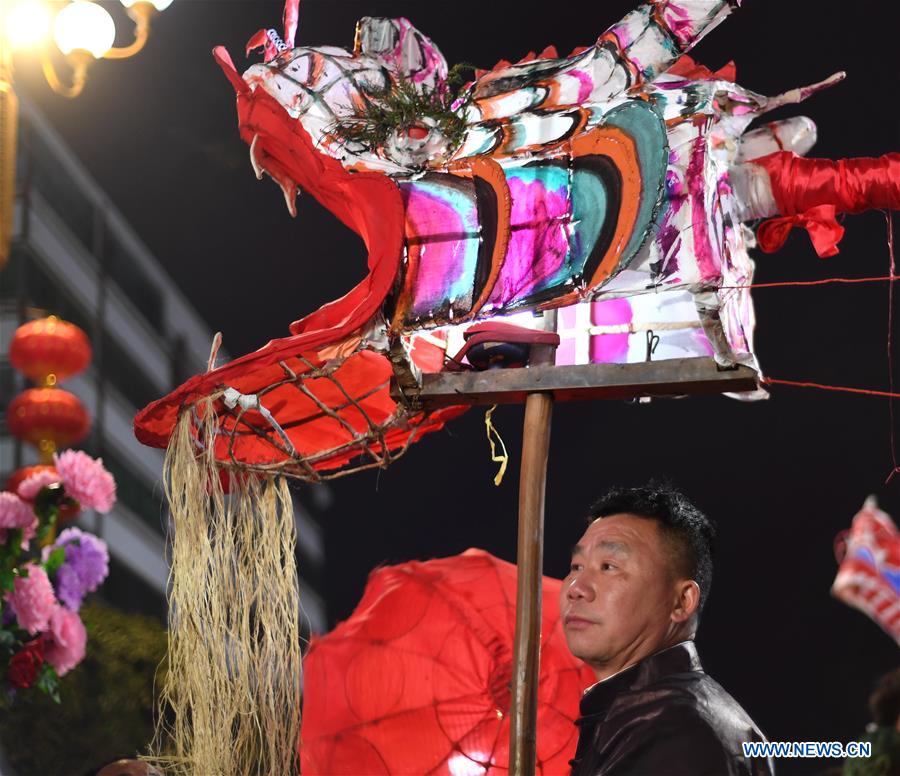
[[781, 477]]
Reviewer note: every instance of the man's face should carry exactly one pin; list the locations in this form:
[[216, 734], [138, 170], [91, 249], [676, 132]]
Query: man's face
[[618, 599]]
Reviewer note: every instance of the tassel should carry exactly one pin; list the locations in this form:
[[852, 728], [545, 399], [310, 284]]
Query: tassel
[[230, 704], [492, 432]]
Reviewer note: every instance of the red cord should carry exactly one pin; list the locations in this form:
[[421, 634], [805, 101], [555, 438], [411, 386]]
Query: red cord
[[890, 394], [890, 356], [820, 386], [826, 281]]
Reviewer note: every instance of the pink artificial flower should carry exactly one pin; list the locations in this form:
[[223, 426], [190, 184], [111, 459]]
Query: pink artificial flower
[[28, 533], [32, 600], [16, 513], [64, 647], [86, 480], [31, 486]]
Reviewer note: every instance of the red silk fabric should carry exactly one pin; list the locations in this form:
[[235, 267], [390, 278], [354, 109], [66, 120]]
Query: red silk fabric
[[820, 223], [810, 192]]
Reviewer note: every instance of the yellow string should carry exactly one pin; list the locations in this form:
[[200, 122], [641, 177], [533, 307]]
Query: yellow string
[[503, 459]]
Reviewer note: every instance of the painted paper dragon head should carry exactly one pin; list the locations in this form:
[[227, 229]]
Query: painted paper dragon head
[[601, 195], [612, 185]]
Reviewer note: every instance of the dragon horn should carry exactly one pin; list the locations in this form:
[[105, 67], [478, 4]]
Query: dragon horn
[[221, 55]]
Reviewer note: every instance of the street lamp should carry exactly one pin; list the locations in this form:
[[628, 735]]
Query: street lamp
[[83, 32]]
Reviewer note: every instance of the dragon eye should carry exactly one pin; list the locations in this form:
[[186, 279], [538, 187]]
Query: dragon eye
[[417, 132]]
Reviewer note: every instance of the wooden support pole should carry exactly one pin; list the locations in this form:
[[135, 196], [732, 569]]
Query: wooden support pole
[[530, 567], [530, 562]]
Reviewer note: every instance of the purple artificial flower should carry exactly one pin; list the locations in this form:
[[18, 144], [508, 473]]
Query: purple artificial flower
[[85, 567]]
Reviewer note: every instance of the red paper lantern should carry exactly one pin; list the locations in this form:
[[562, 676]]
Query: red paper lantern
[[66, 512], [49, 350], [20, 475], [48, 418]]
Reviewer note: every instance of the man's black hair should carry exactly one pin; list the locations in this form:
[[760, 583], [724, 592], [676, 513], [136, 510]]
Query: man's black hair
[[884, 703], [688, 532]]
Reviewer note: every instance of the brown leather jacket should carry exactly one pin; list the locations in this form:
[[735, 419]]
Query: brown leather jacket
[[664, 717]]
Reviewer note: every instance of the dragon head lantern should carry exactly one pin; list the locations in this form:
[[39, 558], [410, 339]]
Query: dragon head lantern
[[612, 185]]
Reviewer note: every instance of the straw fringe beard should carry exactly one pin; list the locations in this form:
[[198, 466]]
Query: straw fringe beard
[[230, 703]]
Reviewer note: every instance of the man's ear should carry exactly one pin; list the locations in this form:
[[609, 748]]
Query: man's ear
[[687, 599]]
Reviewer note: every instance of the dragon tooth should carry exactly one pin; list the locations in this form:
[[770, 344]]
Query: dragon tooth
[[290, 196], [257, 167]]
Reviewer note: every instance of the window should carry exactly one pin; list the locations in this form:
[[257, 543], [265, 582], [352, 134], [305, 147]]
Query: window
[[121, 369], [127, 275], [45, 293], [59, 190], [135, 493]]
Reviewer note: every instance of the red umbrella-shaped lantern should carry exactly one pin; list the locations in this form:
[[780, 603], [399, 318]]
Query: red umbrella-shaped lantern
[[48, 418], [49, 350], [417, 680]]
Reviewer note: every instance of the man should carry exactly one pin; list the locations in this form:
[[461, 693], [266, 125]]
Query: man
[[883, 733], [640, 576]]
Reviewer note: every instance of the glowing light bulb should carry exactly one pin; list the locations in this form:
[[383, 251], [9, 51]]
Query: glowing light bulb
[[159, 5], [84, 26], [27, 23], [460, 765]]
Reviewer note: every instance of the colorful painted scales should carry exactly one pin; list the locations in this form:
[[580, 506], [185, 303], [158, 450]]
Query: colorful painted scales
[[611, 185]]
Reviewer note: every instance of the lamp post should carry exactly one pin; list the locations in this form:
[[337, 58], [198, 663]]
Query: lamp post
[[83, 31]]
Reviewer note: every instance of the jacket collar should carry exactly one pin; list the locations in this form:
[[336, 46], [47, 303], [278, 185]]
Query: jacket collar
[[677, 659]]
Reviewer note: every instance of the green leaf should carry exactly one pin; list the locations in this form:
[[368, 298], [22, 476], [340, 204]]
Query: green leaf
[[15, 542], [48, 682], [54, 560], [7, 579], [7, 639], [49, 497], [48, 526]]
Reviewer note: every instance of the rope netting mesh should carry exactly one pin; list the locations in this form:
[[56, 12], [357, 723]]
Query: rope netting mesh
[[313, 421]]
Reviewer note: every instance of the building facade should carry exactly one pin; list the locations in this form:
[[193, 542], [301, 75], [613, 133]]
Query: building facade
[[75, 256]]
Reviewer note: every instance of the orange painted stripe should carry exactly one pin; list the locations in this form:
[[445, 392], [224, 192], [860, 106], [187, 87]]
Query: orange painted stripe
[[410, 270], [621, 149], [491, 173]]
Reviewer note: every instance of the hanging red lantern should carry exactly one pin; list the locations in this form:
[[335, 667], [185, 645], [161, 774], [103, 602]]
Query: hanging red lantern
[[49, 350], [20, 475], [67, 511], [48, 418]]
